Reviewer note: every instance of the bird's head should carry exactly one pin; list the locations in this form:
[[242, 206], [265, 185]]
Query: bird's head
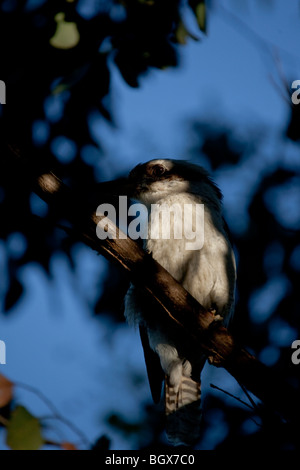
[[160, 178]]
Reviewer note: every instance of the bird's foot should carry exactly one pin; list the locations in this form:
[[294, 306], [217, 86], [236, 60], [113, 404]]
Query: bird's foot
[[216, 316]]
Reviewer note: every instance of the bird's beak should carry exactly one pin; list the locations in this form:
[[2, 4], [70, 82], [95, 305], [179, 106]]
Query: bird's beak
[[118, 187]]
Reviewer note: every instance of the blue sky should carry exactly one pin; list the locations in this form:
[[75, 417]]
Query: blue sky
[[53, 341], [228, 76]]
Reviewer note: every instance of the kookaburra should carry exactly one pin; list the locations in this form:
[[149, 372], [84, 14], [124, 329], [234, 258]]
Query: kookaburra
[[208, 273]]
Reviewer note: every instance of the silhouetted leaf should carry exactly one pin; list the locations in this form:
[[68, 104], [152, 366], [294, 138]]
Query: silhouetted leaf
[[293, 128], [123, 425], [13, 294], [102, 443]]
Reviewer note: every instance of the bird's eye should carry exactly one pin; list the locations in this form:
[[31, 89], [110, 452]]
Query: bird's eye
[[158, 170]]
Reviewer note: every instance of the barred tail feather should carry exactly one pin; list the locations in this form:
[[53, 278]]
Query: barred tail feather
[[183, 412]]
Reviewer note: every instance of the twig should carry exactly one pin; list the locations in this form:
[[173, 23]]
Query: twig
[[263, 44], [254, 405], [249, 33], [232, 396], [4, 421], [54, 410]]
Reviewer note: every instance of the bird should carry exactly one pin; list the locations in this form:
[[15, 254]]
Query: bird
[[207, 272]]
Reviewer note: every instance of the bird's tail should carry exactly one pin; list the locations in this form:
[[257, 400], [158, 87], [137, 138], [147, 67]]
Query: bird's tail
[[183, 411]]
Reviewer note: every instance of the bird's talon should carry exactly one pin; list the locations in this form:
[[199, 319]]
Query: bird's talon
[[218, 318], [210, 360]]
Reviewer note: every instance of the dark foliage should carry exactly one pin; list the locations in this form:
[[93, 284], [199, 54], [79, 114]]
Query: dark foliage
[[53, 93]]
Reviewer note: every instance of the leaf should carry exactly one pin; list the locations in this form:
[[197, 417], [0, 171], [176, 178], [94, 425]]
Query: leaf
[[23, 431], [68, 446], [201, 16], [71, 80], [149, 3], [199, 9], [6, 391], [66, 35], [182, 33]]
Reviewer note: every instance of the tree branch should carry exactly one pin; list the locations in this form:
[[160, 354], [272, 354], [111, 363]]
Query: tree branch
[[175, 306]]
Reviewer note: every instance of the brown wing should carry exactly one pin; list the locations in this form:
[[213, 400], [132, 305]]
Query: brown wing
[[155, 373]]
